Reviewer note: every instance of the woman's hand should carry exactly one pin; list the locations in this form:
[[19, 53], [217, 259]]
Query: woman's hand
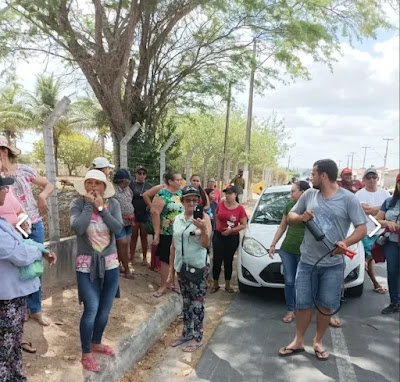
[[42, 204], [271, 251], [156, 239], [50, 257], [226, 232], [89, 197], [201, 224], [98, 201], [392, 226]]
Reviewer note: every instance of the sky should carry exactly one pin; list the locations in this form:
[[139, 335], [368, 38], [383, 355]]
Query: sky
[[330, 116], [339, 112]]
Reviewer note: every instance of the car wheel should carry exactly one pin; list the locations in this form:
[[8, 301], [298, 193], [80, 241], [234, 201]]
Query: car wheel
[[355, 291], [245, 288]]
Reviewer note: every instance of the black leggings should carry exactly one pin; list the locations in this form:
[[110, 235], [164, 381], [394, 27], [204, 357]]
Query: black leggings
[[224, 249]]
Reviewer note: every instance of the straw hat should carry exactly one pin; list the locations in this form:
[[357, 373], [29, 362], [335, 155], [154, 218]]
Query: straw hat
[[98, 175], [4, 143]]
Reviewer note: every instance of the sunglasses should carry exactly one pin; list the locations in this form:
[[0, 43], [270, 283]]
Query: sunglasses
[[369, 177]]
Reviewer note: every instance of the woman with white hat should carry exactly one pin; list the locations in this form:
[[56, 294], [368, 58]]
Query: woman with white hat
[[96, 219]]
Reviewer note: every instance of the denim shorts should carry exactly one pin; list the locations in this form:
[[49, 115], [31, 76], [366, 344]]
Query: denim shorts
[[326, 286], [126, 231]]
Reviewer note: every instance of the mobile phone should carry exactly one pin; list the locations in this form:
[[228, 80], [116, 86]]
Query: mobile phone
[[198, 211]]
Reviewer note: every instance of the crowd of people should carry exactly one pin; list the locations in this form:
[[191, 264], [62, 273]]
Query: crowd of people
[[188, 224]]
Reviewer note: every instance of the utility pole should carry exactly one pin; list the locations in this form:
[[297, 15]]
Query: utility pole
[[365, 154], [348, 160], [385, 159], [352, 159], [228, 112], [339, 161], [288, 163], [248, 125]]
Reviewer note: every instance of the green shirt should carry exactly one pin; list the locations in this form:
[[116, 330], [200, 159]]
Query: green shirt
[[294, 234], [194, 254], [173, 207]]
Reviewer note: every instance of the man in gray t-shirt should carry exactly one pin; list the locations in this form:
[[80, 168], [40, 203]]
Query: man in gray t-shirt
[[333, 216], [333, 210]]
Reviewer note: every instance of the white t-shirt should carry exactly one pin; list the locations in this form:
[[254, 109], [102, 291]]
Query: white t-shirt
[[373, 199]]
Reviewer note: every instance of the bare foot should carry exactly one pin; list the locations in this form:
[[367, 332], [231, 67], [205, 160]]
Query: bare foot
[[42, 320], [335, 323]]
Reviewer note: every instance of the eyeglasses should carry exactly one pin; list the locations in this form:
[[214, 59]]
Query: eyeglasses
[[191, 200], [5, 188], [369, 177]]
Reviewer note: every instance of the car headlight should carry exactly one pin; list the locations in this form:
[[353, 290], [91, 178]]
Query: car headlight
[[253, 247]]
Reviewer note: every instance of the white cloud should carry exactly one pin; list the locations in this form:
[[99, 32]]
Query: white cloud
[[337, 113]]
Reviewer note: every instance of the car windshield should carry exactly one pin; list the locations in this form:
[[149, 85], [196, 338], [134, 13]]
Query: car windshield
[[270, 208]]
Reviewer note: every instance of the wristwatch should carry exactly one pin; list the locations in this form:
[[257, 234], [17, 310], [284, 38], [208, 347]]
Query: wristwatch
[[100, 208]]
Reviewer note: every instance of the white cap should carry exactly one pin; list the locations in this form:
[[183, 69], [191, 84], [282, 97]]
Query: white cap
[[101, 162]]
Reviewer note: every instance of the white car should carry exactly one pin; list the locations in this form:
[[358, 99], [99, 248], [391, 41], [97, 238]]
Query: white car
[[256, 269]]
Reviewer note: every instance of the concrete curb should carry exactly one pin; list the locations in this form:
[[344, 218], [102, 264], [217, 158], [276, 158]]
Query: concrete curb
[[133, 347]]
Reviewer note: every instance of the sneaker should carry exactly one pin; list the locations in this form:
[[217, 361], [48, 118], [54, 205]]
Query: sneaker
[[392, 308]]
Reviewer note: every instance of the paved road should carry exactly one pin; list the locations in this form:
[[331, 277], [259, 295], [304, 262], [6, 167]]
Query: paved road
[[244, 346]]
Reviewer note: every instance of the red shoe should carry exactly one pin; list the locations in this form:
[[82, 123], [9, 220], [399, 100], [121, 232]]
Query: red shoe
[[106, 350], [90, 364]]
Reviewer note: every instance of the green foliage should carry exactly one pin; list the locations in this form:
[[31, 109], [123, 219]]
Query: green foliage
[[75, 150]]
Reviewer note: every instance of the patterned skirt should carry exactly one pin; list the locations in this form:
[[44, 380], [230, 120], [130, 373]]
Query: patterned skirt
[[12, 313]]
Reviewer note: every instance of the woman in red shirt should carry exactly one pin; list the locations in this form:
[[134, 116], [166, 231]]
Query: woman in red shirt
[[230, 219]]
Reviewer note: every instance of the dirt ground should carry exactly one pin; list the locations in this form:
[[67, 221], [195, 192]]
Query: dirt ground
[[58, 346]]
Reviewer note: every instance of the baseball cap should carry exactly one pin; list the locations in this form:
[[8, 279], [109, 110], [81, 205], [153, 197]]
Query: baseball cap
[[140, 168], [6, 181], [101, 162], [230, 190], [371, 170], [240, 171], [347, 171], [190, 190], [121, 174]]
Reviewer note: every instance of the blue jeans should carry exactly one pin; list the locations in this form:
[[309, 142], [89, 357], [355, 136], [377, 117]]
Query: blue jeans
[[35, 299], [289, 262], [97, 304], [392, 254]]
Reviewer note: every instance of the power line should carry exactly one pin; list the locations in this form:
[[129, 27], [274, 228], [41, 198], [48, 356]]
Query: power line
[[365, 153]]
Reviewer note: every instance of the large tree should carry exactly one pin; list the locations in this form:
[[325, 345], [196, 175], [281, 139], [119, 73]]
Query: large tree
[[139, 56]]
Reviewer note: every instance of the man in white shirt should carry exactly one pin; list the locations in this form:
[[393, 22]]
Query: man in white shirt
[[371, 198]]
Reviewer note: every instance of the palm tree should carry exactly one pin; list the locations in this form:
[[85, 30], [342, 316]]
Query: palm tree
[[14, 116], [94, 118], [47, 94]]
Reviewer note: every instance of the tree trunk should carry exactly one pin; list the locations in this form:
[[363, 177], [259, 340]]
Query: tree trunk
[[205, 170]]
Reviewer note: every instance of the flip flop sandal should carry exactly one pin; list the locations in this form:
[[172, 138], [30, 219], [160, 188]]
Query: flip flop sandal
[[191, 348], [44, 321], [180, 341], [292, 352], [214, 289], [106, 350], [129, 276], [338, 325], [158, 294], [380, 290], [289, 319], [90, 364], [27, 346], [318, 355], [229, 290]]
